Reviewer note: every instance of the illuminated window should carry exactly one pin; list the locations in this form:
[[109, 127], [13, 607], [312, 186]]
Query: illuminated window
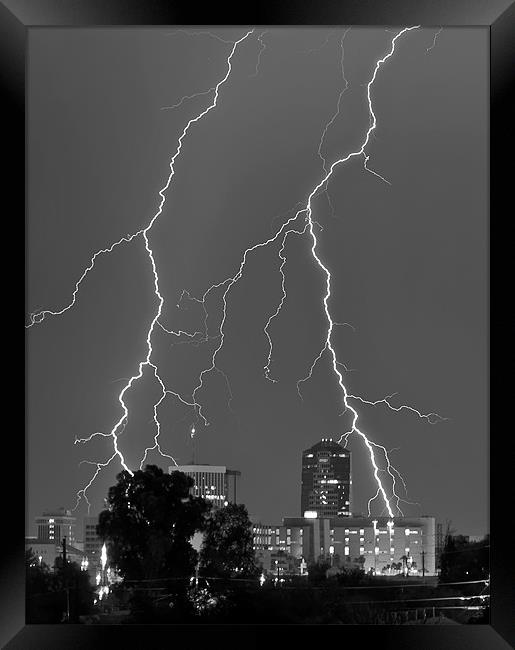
[[407, 549], [361, 539], [392, 550], [376, 550], [361, 550], [407, 531], [347, 550], [361, 531]]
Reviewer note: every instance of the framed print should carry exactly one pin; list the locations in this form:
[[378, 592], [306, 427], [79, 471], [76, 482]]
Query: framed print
[[257, 323]]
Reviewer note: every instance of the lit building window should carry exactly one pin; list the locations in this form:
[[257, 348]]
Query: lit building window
[[376, 550], [361, 531], [347, 550], [361, 550]]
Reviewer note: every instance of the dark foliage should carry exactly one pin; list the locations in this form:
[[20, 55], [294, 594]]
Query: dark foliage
[[464, 560], [148, 524], [50, 593], [227, 550]]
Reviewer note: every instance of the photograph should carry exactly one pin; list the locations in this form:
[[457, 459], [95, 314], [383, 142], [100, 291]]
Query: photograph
[[257, 344], [257, 324]]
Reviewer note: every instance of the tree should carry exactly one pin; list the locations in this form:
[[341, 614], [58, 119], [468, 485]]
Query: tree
[[464, 560], [50, 593], [317, 572], [227, 549], [148, 524]]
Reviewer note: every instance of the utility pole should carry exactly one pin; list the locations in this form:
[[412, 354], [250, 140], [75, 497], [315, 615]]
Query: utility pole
[[423, 564]]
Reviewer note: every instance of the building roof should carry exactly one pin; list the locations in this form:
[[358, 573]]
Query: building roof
[[326, 443], [215, 469]]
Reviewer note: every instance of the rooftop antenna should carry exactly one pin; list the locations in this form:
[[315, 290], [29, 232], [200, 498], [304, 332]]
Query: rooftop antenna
[[192, 437]]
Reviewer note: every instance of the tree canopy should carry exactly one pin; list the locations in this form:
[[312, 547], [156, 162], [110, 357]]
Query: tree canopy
[[464, 560], [227, 549], [149, 522]]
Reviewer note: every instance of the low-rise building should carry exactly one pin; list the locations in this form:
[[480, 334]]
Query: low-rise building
[[381, 545]]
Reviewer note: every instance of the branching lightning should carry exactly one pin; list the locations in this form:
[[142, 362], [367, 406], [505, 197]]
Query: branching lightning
[[302, 223], [38, 317], [437, 34]]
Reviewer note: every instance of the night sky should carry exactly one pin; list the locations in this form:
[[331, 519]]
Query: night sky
[[408, 259]]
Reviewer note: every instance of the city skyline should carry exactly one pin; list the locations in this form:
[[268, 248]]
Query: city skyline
[[406, 253]]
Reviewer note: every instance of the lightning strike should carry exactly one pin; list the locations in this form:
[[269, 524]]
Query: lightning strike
[[39, 316], [262, 49], [187, 98], [279, 306], [310, 223], [160, 300], [288, 227], [432, 418], [321, 184], [333, 118], [434, 40]]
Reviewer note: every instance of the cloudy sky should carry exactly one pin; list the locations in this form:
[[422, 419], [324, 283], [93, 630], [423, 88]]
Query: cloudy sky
[[407, 255]]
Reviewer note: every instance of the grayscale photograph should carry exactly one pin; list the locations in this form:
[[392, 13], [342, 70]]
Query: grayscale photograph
[[257, 325]]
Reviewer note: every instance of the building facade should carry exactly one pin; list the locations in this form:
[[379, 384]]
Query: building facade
[[52, 526], [92, 542], [48, 551], [326, 480], [381, 545], [214, 483]]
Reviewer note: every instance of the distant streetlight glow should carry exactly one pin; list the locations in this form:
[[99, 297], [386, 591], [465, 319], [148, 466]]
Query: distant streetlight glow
[[103, 557]]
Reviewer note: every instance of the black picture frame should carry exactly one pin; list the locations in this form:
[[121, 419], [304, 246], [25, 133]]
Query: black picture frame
[[17, 17]]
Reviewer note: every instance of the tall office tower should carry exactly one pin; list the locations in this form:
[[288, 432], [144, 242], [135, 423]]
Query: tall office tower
[[215, 483], [326, 480], [53, 526]]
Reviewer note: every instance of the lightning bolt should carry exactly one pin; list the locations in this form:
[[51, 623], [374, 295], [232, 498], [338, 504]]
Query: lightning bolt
[[434, 40], [261, 50], [328, 346], [115, 431], [360, 152], [292, 225]]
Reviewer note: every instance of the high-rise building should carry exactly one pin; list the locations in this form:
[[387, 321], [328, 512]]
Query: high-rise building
[[326, 480], [215, 483], [53, 526]]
